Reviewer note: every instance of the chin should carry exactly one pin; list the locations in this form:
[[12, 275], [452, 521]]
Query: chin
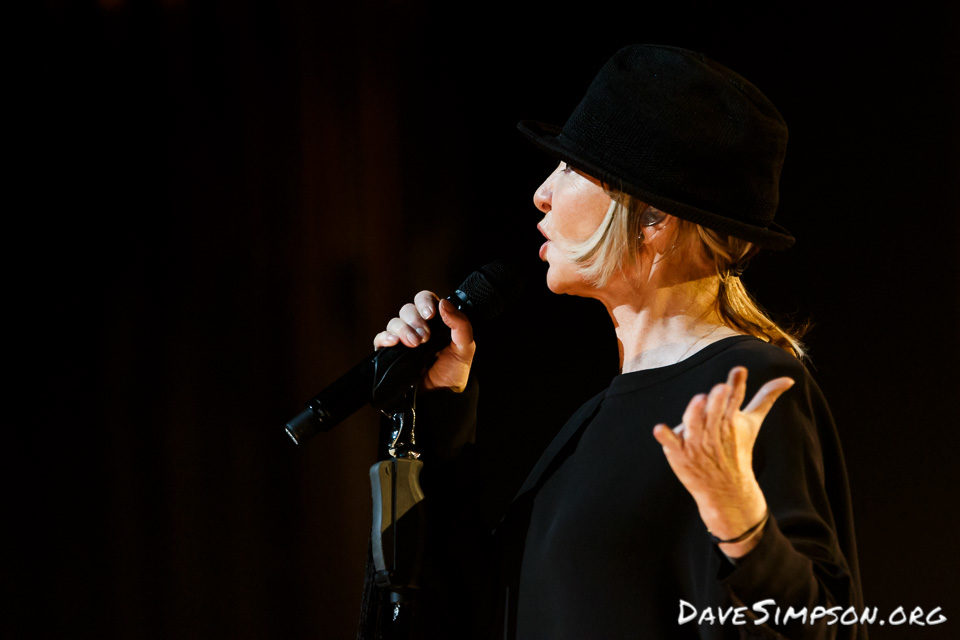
[[554, 283], [564, 280], [553, 287]]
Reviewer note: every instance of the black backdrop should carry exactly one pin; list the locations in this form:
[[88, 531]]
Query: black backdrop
[[225, 201]]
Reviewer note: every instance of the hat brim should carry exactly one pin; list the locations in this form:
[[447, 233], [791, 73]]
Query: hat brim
[[550, 138]]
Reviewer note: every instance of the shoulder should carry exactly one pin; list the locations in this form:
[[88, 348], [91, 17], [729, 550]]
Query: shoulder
[[760, 358], [802, 410], [800, 418]]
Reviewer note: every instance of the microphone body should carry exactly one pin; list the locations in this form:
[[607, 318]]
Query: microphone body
[[384, 376]]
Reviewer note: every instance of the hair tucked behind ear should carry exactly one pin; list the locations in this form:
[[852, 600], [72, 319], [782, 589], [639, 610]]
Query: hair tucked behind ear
[[615, 245], [729, 257]]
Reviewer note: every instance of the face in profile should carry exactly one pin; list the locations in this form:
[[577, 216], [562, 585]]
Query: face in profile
[[574, 204]]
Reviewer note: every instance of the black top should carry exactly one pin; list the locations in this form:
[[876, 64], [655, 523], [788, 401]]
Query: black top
[[603, 541], [614, 540]]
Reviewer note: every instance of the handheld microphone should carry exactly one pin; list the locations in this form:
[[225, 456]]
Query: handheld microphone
[[383, 377]]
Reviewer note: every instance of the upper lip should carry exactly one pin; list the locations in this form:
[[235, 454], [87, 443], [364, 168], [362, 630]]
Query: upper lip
[[540, 229]]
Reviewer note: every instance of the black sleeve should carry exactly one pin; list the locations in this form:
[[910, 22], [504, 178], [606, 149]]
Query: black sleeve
[[447, 421], [806, 557], [458, 583]]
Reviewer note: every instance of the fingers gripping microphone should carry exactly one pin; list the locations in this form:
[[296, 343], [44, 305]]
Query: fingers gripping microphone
[[383, 377]]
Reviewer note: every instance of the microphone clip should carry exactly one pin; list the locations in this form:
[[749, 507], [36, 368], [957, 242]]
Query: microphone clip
[[403, 422]]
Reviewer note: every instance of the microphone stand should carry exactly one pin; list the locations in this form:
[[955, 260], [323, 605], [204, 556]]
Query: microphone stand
[[398, 536], [399, 525]]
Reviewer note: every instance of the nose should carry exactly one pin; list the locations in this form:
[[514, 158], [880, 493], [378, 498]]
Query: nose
[[543, 195]]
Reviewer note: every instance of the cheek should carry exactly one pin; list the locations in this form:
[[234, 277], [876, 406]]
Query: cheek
[[591, 205], [580, 219]]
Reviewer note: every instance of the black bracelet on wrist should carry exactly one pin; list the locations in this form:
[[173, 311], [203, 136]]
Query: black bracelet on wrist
[[746, 534]]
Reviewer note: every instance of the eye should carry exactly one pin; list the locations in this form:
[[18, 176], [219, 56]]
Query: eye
[[567, 168]]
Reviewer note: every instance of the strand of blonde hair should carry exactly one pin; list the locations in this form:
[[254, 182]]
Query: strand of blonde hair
[[734, 304]]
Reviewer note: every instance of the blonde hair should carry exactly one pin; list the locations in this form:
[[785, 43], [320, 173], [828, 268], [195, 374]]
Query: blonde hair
[[615, 245]]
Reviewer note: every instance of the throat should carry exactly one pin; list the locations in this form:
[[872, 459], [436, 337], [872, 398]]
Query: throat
[[663, 353]]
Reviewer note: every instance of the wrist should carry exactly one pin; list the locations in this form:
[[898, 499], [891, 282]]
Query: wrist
[[745, 543], [731, 518]]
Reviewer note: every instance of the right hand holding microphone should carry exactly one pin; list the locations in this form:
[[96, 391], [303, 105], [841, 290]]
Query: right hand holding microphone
[[452, 367]]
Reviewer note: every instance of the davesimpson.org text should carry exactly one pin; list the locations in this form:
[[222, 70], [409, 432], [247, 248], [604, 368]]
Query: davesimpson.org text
[[767, 612]]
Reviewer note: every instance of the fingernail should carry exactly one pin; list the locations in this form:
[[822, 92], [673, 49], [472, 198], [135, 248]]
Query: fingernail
[[424, 312], [421, 333]]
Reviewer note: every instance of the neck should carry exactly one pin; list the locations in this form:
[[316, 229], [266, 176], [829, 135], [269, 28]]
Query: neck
[[664, 325]]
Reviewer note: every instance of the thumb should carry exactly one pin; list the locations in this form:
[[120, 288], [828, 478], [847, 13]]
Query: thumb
[[763, 401], [461, 331]]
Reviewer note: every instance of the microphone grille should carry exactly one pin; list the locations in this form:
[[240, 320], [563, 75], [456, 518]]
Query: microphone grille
[[490, 290]]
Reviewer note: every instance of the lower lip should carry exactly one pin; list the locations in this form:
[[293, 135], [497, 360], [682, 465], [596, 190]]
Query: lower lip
[[543, 249]]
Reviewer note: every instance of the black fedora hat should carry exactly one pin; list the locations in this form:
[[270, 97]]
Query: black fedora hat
[[682, 133]]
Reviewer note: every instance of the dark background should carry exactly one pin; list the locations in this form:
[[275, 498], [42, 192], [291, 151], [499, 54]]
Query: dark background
[[226, 201]]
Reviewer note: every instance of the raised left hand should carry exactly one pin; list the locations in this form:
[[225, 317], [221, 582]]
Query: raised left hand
[[711, 453]]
